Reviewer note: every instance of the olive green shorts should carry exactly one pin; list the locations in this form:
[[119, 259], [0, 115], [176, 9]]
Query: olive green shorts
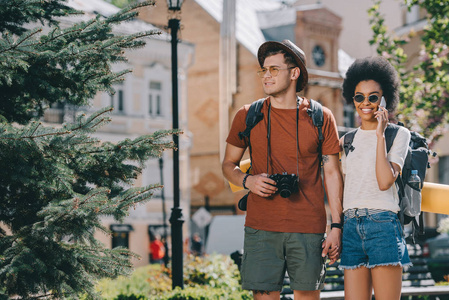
[[267, 255]]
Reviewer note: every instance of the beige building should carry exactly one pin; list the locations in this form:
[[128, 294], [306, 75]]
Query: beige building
[[356, 30]]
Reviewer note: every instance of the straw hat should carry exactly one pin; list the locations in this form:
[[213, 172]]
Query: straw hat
[[294, 51]]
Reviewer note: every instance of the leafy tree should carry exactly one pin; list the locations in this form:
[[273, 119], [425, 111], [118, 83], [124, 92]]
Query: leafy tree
[[57, 182], [424, 93]]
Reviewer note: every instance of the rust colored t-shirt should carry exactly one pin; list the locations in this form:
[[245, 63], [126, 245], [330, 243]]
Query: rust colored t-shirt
[[303, 211]]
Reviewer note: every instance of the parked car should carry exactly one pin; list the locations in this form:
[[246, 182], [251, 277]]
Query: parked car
[[436, 250]]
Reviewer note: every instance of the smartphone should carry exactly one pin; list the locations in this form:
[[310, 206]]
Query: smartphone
[[382, 104]]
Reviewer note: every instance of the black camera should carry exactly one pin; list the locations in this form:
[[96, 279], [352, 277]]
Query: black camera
[[286, 183]]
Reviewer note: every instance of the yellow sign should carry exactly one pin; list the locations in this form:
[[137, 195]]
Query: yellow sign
[[435, 198]]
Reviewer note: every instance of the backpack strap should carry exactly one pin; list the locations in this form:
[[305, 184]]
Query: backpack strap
[[316, 113], [253, 117], [390, 133], [348, 138]]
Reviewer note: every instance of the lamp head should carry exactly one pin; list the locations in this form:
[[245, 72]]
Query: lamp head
[[174, 5]]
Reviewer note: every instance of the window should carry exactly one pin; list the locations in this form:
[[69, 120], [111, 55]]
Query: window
[[412, 16], [118, 99], [443, 169], [120, 239], [155, 102], [120, 235]]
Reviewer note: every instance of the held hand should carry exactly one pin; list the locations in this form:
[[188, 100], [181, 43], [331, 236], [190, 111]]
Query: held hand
[[261, 185], [332, 245], [382, 120]]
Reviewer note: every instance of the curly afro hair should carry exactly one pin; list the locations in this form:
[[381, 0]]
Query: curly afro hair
[[374, 68]]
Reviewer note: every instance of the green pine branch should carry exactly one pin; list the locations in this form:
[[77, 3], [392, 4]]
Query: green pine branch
[[60, 182], [67, 64]]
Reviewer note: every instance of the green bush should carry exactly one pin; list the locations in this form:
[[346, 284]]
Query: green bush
[[209, 277], [205, 293], [144, 281], [216, 271], [130, 297], [438, 271]]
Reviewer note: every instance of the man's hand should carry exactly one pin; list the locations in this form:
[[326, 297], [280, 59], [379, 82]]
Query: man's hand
[[332, 245], [261, 185]]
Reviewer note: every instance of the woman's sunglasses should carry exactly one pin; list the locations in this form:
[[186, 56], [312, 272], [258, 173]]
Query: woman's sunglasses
[[359, 98]]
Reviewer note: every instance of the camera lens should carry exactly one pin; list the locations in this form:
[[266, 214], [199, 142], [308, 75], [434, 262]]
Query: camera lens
[[285, 191], [286, 183]]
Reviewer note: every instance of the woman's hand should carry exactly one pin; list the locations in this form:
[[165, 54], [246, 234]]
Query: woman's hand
[[382, 120]]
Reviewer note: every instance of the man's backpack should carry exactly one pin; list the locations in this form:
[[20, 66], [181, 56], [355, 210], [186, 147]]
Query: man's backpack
[[255, 115], [417, 159]]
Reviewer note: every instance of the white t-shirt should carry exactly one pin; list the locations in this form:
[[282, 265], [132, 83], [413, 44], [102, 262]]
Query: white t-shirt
[[361, 189]]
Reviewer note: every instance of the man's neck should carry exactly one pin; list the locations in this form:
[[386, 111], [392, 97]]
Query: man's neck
[[286, 101]]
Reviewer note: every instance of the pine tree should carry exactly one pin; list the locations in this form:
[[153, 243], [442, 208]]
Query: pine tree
[[57, 182]]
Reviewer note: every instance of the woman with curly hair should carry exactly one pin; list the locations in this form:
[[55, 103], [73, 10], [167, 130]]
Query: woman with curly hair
[[373, 245]]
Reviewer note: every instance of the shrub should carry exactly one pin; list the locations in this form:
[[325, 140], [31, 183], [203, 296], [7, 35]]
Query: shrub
[[136, 284], [217, 271], [208, 277], [130, 297], [206, 293]]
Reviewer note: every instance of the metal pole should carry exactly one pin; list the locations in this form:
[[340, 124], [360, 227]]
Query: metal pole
[[176, 218], [206, 230], [164, 213]]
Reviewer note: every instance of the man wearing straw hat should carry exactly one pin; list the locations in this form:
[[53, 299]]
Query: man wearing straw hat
[[285, 231]]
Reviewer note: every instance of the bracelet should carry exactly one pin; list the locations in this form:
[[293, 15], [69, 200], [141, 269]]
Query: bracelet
[[244, 181], [337, 225]]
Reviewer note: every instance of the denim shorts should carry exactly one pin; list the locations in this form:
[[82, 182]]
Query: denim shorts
[[373, 240], [267, 255]]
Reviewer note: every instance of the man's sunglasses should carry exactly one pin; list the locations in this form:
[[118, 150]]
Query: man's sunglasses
[[359, 98], [274, 71]]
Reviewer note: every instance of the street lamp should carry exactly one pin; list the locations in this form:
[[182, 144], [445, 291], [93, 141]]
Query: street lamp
[[176, 219], [164, 214], [174, 5]]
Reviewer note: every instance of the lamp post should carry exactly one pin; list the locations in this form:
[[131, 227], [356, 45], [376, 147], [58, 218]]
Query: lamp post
[[176, 219], [164, 214]]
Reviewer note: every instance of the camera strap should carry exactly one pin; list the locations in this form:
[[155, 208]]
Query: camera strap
[[269, 137], [297, 137]]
